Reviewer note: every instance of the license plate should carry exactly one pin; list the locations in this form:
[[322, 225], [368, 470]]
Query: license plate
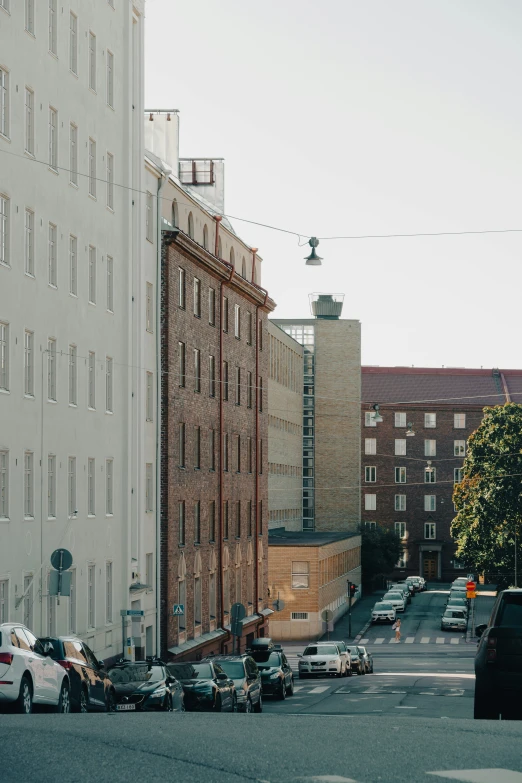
[[122, 707]]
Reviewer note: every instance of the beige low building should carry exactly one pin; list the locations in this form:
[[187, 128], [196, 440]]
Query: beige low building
[[309, 573]]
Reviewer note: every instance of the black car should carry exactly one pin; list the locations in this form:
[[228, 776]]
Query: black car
[[276, 675], [206, 686], [357, 658], [368, 659], [242, 669], [498, 662], [146, 686], [90, 687]]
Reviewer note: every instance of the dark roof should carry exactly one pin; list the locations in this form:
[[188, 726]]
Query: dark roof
[[281, 537], [456, 387]]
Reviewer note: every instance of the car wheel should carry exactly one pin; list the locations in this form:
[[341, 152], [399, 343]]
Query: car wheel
[[486, 706], [259, 705], [282, 692], [83, 705], [110, 704], [64, 702], [290, 689], [24, 702], [217, 704], [248, 705]]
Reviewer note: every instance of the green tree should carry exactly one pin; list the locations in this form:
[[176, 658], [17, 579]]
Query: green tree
[[380, 550], [488, 500]]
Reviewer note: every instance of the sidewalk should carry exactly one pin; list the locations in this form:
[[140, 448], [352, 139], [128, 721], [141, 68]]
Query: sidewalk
[[483, 604], [360, 617]]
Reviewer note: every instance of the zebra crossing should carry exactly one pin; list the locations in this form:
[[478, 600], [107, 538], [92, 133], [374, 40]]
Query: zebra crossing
[[415, 640]]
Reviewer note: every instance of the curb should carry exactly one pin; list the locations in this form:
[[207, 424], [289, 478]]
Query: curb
[[361, 633]]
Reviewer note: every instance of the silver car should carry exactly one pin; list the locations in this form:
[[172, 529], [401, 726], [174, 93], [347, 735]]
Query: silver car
[[383, 612], [397, 600], [453, 620], [321, 658]]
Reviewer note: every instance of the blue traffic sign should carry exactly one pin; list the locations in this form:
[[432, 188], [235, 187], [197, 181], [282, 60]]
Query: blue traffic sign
[[178, 609]]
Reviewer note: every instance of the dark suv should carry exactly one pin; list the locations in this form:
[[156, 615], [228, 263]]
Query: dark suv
[[498, 662], [242, 669], [276, 675]]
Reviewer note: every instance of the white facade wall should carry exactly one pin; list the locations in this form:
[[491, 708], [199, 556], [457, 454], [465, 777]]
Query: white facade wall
[[44, 303]]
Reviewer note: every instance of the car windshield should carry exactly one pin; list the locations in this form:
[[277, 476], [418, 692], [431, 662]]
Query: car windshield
[[234, 669], [511, 610], [323, 649], [136, 672], [384, 606], [454, 613], [393, 596], [202, 671], [265, 660]]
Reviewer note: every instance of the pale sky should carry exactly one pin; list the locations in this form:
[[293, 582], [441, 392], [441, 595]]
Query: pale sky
[[346, 117]]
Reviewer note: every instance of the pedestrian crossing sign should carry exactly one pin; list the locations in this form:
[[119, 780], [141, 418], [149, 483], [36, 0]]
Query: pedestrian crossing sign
[[178, 609]]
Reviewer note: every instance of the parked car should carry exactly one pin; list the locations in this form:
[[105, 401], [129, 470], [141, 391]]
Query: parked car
[[90, 686], [357, 657], [453, 619], [321, 658], [498, 662], [458, 603], [206, 686], [396, 599], [243, 670], [402, 588], [343, 649], [144, 686], [27, 674], [458, 588], [277, 678], [421, 581], [415, 582], [368, 659], [383, 612]]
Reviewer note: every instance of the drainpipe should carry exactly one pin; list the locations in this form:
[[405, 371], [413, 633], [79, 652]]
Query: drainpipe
[[258, 308], [218, 220], [163, 177]]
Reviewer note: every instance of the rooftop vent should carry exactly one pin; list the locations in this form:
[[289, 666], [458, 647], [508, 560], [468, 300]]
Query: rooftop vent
[[327, 306]]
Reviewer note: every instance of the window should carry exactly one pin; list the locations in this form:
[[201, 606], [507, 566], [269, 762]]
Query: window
[[29, 16], [149, 400], [197, 297], [260, 395], [249, 518], [4, 356], [260, 334], [238, 585], [73, 265], [211, 376], [260, 457], [73, 376], [91, 487], [459, 421], [458, 474], [238, 453], [110, 284], [181, 364], [29, 242], [212, 520], [149, 489], [197, 600], [181, 445], [73, 43], [369, 419], [430, 448], [430, 502], [212, 449], [250, 390], [430, 530], [29, 363], [400, 529], [370, 473], [430, 475], [51, 370], [73, 154], [300, 575], [370, 445], [108, 592], [226, 591], [92, 168], [400, 502], [225, 380], [149, 212], [92, 61], [250, 327], [250, 455], [430, 420], [4, 229], [53, 21], [197, 448], [29, 121], [181, 288], [4, 600], [181, 522], [205, 237], [109, 477], [53, 271], [53, 138], [211, 306], [197, 370], [224, 313], [225, 519], [197, 522], [370, 525], [149, 307], [4, 485], [400, 475], [212, 596], [108, 384], [238, 386], [403, 559], [5, 5], [237, 321], [260, 517], [182, 599], [4, 102], [238, 523], [400, 420], [91, 576], [370, 502], [71, 486], [92, 274], [190, 226], [225, 451], [28, 601], [149, 570], [110, 78], [459, 448], [91, 383], [110, 180]]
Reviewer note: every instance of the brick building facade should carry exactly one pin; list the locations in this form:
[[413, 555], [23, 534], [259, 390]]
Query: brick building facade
[[401, 489], [214, 482]]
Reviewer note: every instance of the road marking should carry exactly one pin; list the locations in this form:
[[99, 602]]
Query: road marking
[[405, 708], [425, 674], [319, 689], [364, 641], [454, 641], [298, 688], [330, 779], [440, 640], [425, 640], [379, 640], [393, 640], [409, 639], [480, 775]]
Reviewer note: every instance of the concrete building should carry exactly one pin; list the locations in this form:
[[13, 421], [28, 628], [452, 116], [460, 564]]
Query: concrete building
[[71, 99], [413, 458], [309, 572], [285, 431]]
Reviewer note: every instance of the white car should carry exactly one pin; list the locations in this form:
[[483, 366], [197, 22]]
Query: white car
[[27, 674], [321, 658], [383, 612], [453, 619], [397, 600]]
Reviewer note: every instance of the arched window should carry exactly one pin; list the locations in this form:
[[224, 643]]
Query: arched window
[[197, 589], [243, 268], [220, 248], [212, 604], [232, 257], [175, 217], [205, 237], [190, 226]]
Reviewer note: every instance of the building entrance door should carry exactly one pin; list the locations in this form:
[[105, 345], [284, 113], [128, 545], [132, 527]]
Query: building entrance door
[[430, 565]]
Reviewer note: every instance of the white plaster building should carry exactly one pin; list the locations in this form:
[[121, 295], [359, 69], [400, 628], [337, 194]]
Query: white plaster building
[[77, 366]]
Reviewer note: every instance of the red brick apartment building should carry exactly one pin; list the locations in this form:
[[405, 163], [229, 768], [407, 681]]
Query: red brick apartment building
[[214, 496], [400, 489]]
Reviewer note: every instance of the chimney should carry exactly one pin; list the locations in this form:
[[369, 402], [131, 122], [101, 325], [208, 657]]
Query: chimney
[[162, 136], [206, 177], [327, 307]]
